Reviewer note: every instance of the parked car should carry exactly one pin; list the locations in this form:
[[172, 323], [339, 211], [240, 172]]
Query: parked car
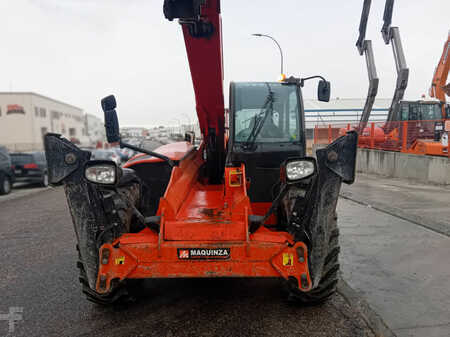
[[106, 155], [123, 156], [129, 153], [30, 167], [6, 172]]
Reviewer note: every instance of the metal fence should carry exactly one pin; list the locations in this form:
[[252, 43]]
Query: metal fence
[[418, 137]]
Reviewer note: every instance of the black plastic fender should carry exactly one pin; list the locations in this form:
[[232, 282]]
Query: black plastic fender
[[335, 164], [66, 164]]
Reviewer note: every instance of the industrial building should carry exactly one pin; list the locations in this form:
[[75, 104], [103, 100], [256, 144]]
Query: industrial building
[[95, 130], [342, 110], [25, 117]]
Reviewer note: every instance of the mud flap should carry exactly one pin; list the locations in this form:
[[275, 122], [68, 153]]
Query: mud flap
[[66, 166], [336, 164]]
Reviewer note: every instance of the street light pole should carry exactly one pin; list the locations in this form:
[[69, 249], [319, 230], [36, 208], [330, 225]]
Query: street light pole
[[279, 47], [189, 121]]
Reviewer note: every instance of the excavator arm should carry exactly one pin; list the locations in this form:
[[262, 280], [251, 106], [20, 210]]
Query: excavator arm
[[201, 25], [438, 85]]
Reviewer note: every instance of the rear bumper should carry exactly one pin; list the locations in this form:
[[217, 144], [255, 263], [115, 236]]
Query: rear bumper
[[145, 255]]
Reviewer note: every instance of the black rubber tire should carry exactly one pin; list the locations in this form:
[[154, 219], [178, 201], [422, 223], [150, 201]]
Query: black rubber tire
[[119, 294], [5, 184], [44, 182], [329, 278]]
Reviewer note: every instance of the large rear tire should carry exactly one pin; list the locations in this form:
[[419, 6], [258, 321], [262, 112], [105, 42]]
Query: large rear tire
[[329, 277]]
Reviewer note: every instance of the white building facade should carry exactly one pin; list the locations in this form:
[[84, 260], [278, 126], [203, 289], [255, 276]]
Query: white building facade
[[95, 128], [25, 117]]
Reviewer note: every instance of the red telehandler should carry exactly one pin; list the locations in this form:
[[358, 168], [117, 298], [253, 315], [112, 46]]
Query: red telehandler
[[246, 203]]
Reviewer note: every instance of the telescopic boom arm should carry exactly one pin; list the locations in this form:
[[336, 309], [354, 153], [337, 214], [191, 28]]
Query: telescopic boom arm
[[392, 34], [365, 47], [201, 24]]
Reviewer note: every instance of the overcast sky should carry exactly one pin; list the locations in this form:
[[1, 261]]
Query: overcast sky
[[78, 51]]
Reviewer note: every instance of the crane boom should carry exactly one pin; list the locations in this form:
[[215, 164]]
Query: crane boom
[[438, 85], [201, 24]]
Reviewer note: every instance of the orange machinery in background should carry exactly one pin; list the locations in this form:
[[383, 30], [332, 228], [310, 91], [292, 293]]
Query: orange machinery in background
[[439, 88], [411, 126]]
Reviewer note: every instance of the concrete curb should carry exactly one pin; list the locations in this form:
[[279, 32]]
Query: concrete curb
[[372, 319], [418, 220]]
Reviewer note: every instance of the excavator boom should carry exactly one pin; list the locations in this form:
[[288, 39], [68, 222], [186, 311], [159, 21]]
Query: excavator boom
[[439, 88]]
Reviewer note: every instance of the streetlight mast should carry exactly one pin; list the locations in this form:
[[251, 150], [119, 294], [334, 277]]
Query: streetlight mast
[[279, 47]]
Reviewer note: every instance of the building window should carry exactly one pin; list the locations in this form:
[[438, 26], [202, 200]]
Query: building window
[[36, 111], [72, 132], [54, 114], [42, 112], [43, 131]]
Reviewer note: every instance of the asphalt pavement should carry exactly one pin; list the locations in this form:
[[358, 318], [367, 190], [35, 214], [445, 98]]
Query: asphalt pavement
[[22, 189], [39, 282], [395, 252], [426, 205]]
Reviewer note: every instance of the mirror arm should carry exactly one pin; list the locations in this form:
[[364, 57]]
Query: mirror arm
[[302, 80], [150, 153], [113, 134]]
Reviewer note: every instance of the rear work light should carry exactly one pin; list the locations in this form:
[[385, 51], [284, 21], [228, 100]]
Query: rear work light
[[30, 166]]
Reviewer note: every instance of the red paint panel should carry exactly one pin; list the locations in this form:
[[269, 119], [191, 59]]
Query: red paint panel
[[207, 212], [261, 208], [254, 259], [205, 215], [205, 62], [204, 230], [175, 151]]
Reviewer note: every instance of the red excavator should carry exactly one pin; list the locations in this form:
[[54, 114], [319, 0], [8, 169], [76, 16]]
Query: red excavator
[[247, 202]]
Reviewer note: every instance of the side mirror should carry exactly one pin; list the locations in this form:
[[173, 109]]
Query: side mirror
[[111, 121], [189, 137], [324, 91]]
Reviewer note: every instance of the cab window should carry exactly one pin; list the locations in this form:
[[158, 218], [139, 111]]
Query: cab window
[[274, 104]]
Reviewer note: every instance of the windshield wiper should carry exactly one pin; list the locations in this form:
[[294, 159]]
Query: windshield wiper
[[260, 119]]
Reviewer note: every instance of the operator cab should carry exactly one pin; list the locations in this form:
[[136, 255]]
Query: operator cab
[[421, 111], [266, 128]]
